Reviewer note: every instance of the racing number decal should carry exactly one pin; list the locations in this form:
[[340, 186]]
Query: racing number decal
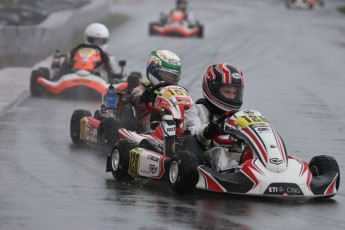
[[87, 51], [251, 119], [134, 162], [172, 92]]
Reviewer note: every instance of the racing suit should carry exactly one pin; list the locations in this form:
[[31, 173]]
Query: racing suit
[[143, 113], [196, 119], [106, 70]]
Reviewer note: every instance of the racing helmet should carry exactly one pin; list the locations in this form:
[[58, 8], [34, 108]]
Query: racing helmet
[[219, 77], [163, 65], [181, 4], [97, 34]]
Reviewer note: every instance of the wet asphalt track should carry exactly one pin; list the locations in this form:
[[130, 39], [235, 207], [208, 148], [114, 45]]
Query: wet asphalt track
[[293, 61]]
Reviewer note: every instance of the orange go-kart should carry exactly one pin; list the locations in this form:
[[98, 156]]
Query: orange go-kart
[[79, 80], [176, 25]]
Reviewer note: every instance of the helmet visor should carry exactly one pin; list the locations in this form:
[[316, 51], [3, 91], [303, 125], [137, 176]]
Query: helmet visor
[[170, 76], [97, 41]]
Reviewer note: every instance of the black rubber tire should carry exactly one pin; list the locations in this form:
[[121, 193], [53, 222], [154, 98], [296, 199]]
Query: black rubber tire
[[98, 115], [107, 134], [45, 72], [187, 175], [123, 147], [35, 88], [75, 125], [151, 31], [129, 120], [201, 32], [322, 164]]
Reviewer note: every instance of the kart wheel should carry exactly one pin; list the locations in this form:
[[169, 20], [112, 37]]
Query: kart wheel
[[322, 164], [35, 88], [183, 173], [75, 125], [98, 115], [107, 133], [201, 32], [151, 30], [45, 72], [119, 160], [129, 120]]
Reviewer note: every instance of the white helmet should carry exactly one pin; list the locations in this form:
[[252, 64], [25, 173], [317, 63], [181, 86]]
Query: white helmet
[[97, 34]]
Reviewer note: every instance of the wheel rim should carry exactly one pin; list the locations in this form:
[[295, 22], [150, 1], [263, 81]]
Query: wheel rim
[[173, 172], [115, 159]]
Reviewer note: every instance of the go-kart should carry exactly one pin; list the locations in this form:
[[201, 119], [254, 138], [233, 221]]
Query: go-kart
[[101, 129], [176, 25], [147, 155], [266, 171], [303, 4], [80, 80]]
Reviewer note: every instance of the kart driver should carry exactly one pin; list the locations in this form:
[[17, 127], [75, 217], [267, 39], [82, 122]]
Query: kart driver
[[222, 88], [95, 34], [163, 65]]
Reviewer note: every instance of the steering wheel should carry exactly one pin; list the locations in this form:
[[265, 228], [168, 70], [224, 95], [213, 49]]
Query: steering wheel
[[219, 121], [89, 46], [153, 89]]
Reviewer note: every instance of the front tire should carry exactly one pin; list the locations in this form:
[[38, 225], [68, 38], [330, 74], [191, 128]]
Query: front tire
[[75, 125], [183, 172], [322, 164], [107, 133], [119, 160]]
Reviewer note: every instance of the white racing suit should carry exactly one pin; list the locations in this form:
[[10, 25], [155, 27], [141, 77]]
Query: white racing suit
[[196, 119]]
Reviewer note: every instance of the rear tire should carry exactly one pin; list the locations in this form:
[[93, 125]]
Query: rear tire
[[119, 160], [45, 72], [75, 125], [35, 88], [98, 115], [107, 134], [129, 120], [151, 30], [183, 172], [322, 164], [201, 32]]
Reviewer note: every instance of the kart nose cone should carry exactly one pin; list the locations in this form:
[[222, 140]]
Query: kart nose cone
[[115, 159], [173, 172]]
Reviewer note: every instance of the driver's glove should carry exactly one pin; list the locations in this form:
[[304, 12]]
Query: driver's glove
[[211, 130], [147, 96]]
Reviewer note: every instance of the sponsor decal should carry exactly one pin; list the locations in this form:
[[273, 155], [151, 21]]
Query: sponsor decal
[[134, 162], [286, 189], [236, 75], [153, 169], [250, 119], [276, 161], [153, 158], [263, 129], [173, 61]]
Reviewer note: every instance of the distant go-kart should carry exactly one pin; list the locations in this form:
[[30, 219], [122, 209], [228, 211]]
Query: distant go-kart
[[268, 171], [101, 129], [175, 25], [303, 4], [79, 81]]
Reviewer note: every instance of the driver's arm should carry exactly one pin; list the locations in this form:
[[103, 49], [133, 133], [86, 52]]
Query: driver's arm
[[109, 63], [196, 119]]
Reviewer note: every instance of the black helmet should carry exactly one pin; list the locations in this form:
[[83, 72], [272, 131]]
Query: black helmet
[[219, 80]]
